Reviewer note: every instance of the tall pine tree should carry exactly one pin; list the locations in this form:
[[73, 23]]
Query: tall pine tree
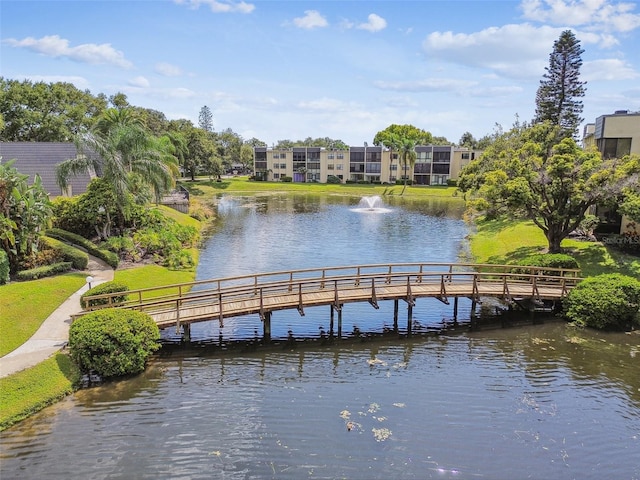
[[205, 119], [558, 97]]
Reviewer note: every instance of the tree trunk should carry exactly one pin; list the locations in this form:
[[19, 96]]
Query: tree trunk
[[554, 238]]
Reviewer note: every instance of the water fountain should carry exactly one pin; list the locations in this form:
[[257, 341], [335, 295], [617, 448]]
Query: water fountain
[[371, 203]]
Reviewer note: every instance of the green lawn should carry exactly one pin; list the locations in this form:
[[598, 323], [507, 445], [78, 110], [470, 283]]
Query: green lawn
[[506, 241], [29, 391], [242, 186], [25, 305]]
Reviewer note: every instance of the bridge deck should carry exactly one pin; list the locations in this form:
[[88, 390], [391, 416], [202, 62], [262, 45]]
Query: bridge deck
[[264, 293]]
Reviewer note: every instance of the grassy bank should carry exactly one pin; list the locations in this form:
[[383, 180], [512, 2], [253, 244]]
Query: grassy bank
[[29, 391], [507, 241], [25, 305]]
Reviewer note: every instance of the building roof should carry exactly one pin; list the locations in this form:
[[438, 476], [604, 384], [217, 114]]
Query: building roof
[[41, 158]]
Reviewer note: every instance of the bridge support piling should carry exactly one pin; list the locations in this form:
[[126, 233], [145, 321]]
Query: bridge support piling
[[395, 316], [266, 327], [455, 310], [186, 333], [409, 318], [331, 322], [340, 323]]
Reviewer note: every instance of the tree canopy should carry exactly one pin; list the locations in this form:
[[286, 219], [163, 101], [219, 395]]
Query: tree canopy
[[527, 173], [558, 96]]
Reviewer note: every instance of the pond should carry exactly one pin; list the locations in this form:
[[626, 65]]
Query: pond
[[538, 401]]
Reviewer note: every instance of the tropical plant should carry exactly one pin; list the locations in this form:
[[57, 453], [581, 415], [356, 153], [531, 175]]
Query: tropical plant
[[25, 211], [120, 151]]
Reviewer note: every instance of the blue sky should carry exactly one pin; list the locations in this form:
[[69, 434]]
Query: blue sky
[[341, 69]]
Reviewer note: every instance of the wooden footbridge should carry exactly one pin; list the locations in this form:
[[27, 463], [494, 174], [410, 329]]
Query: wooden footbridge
[[264, 293]]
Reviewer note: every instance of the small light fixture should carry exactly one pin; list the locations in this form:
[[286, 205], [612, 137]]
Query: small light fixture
[[89, 279]]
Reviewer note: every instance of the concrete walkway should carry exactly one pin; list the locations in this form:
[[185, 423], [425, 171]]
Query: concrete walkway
[[53, 334]]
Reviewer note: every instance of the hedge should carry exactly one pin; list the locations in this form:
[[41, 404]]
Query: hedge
[[104, 288], [112, 342], [109, 257], [609, 301], [78, 258], [44, 271]]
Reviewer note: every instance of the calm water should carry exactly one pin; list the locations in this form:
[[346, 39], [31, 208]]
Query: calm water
[[543, 401]]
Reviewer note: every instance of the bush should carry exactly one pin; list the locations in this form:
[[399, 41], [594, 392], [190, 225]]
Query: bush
[[45, 271], [109, 257], [550, 260], [286, 179], [610, 301], [452, 183], [104, 288], [4, 267], [333, 179], [78, 258], [113, 342]]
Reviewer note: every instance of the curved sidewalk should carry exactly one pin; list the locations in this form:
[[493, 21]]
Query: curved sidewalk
[[53, 334]]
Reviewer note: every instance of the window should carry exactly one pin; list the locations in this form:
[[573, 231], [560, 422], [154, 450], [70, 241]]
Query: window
[[340, 156], [373, 168], [339, 167], [441, 168], [394, 167], [616, 147], [330, 156], [329, 166], [276, 176], [465, 156], [283, 165]]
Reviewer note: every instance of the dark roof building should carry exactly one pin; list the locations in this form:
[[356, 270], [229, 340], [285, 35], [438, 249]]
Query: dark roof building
[[41, 158]]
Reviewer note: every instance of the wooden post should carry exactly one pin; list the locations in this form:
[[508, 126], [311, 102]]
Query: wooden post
[[340, 323], [266, 327], [455, 310], [409, 318], [186, 333], [395, 315], [331, 322]]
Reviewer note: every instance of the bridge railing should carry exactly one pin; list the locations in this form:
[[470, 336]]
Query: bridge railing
[[343, 278]]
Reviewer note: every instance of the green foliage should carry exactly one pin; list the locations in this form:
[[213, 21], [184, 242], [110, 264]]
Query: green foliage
[[113, 342], [44, 271], [333, 179], [45, 112], [286, 179], [78, 258], [25, 210], [4, 267], [102, 289], [557, 98], [610, 301], [109, 257], [527, 173], [551, 260]]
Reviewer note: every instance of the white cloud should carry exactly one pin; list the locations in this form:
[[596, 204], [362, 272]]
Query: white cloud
[[312, 19], [325, 105], [375, 23], [140, 82], [595, 14], [220, 6], [518, 51], [54, 46], [168, 70], [608, 69]]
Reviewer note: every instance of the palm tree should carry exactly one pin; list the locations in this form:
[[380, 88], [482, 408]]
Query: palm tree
[[117, 149], [407, 157]]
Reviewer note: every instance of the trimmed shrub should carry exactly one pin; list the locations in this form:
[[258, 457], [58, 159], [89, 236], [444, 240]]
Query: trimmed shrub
[[113, 342], [333, 179], [610, 301], [104, 288], [4, 267], [550, 260], [78, 258], [45, 271], [109, 257], [286, 179]]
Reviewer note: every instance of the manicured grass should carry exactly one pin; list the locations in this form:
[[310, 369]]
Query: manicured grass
[[242, 186], [29, 391], [25, 305], [149, 276], [507, 241]]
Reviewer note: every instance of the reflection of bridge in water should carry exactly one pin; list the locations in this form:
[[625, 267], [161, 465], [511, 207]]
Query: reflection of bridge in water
[[180, 305]]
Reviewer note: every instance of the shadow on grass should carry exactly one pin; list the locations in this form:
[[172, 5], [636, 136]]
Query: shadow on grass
[[494, 226], [514, 256], [68, 368]]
